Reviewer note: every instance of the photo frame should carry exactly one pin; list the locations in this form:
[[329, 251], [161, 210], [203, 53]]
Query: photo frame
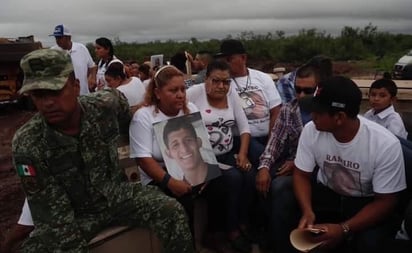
[[186, 150], [156, 61]]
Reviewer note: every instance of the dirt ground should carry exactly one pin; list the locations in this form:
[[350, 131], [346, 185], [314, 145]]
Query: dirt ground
[[11, 118], [11, 195]]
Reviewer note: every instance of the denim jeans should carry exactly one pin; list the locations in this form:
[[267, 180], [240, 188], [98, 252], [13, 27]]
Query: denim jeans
[[241, 185]]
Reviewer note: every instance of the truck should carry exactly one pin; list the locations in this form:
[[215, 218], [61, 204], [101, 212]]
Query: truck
[[403, 68], [11, 75]]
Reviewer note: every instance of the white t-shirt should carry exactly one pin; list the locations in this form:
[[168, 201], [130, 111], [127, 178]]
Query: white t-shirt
[[143, 142], [390, 120], [25, 216], [219, 122], [134, 91], [258, 95], [82, 62], [101, 69], [146, 83], [372, 162]]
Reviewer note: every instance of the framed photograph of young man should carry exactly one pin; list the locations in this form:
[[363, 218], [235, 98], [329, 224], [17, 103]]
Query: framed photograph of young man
[[186, 149]]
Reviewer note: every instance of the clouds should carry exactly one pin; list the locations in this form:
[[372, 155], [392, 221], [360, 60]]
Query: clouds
[[144, 20]]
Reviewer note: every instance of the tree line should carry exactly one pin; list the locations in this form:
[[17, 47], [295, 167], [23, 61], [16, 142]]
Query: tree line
[[381, 49]]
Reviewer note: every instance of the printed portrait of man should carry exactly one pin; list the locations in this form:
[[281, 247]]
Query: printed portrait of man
[[183, 146]]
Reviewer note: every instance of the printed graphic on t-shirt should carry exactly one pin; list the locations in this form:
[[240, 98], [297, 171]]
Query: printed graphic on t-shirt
[[220, 134], [343, 180], [254, 104]]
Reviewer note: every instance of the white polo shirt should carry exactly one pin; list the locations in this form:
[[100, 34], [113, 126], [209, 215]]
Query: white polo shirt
[[389, 119], [82, 61]]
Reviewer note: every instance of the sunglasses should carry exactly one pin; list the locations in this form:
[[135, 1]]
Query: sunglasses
[[306, 91]]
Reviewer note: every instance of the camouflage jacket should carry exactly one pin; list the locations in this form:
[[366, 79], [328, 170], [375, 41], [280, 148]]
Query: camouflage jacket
[[65, 176]]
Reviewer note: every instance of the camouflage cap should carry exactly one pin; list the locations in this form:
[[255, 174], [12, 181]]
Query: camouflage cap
[[45, 69]]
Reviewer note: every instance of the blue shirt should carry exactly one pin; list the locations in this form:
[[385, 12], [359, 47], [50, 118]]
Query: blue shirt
[[286, 87]]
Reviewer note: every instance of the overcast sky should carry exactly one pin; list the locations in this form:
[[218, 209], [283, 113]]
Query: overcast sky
[[147, 20]]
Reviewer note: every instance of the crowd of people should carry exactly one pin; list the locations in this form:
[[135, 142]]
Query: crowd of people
[[296, 153]]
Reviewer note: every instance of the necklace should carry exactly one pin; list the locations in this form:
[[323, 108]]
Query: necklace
[[248, 83]]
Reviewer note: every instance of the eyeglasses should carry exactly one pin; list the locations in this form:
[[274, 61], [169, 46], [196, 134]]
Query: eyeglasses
[[306, 91], [216, 81]]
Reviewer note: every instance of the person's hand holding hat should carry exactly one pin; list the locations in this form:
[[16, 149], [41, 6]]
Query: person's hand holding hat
[[331, 235], [322, 236]]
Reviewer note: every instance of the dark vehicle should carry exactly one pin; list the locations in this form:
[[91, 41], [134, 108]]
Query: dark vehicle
[[11, 76], [403, 68]]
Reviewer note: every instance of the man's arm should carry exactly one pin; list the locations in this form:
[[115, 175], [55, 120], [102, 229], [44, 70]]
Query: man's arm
[[272, 151], [372, 213], [274, 112], [303, 192], [273, 99], [388, 180], [369, 215], [91, 77], [91, 69]]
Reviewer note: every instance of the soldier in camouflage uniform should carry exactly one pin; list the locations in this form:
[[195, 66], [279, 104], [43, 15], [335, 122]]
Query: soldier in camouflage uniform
[[66, 157]]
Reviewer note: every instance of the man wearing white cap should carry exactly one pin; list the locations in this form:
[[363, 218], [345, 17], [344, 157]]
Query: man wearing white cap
[[84, 66]]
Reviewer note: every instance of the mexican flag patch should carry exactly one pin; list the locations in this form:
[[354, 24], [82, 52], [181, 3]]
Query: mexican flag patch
[[25, 170]]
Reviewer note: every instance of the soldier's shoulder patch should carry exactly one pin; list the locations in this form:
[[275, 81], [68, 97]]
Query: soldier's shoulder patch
[[26, 170]]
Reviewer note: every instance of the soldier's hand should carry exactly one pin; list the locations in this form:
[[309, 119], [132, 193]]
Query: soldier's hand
[[179, 187], [263, 181]]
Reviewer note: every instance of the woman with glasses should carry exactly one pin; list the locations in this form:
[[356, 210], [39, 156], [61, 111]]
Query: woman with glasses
[[222, 114]]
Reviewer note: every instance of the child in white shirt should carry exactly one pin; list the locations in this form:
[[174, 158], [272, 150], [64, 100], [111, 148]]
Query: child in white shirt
[[382, 94]]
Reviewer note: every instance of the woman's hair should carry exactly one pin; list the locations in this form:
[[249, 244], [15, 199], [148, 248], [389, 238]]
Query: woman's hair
[[116, 69], [158, 81], [179, 61], [145, 69], [216, 65], [107, 44]]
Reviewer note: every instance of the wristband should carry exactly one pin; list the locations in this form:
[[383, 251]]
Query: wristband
[[345, 228], [165, 181]]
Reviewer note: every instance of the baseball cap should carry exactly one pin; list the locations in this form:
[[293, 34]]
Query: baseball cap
[[335, 94], [45, 69], [61, 30], [230, 47]]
